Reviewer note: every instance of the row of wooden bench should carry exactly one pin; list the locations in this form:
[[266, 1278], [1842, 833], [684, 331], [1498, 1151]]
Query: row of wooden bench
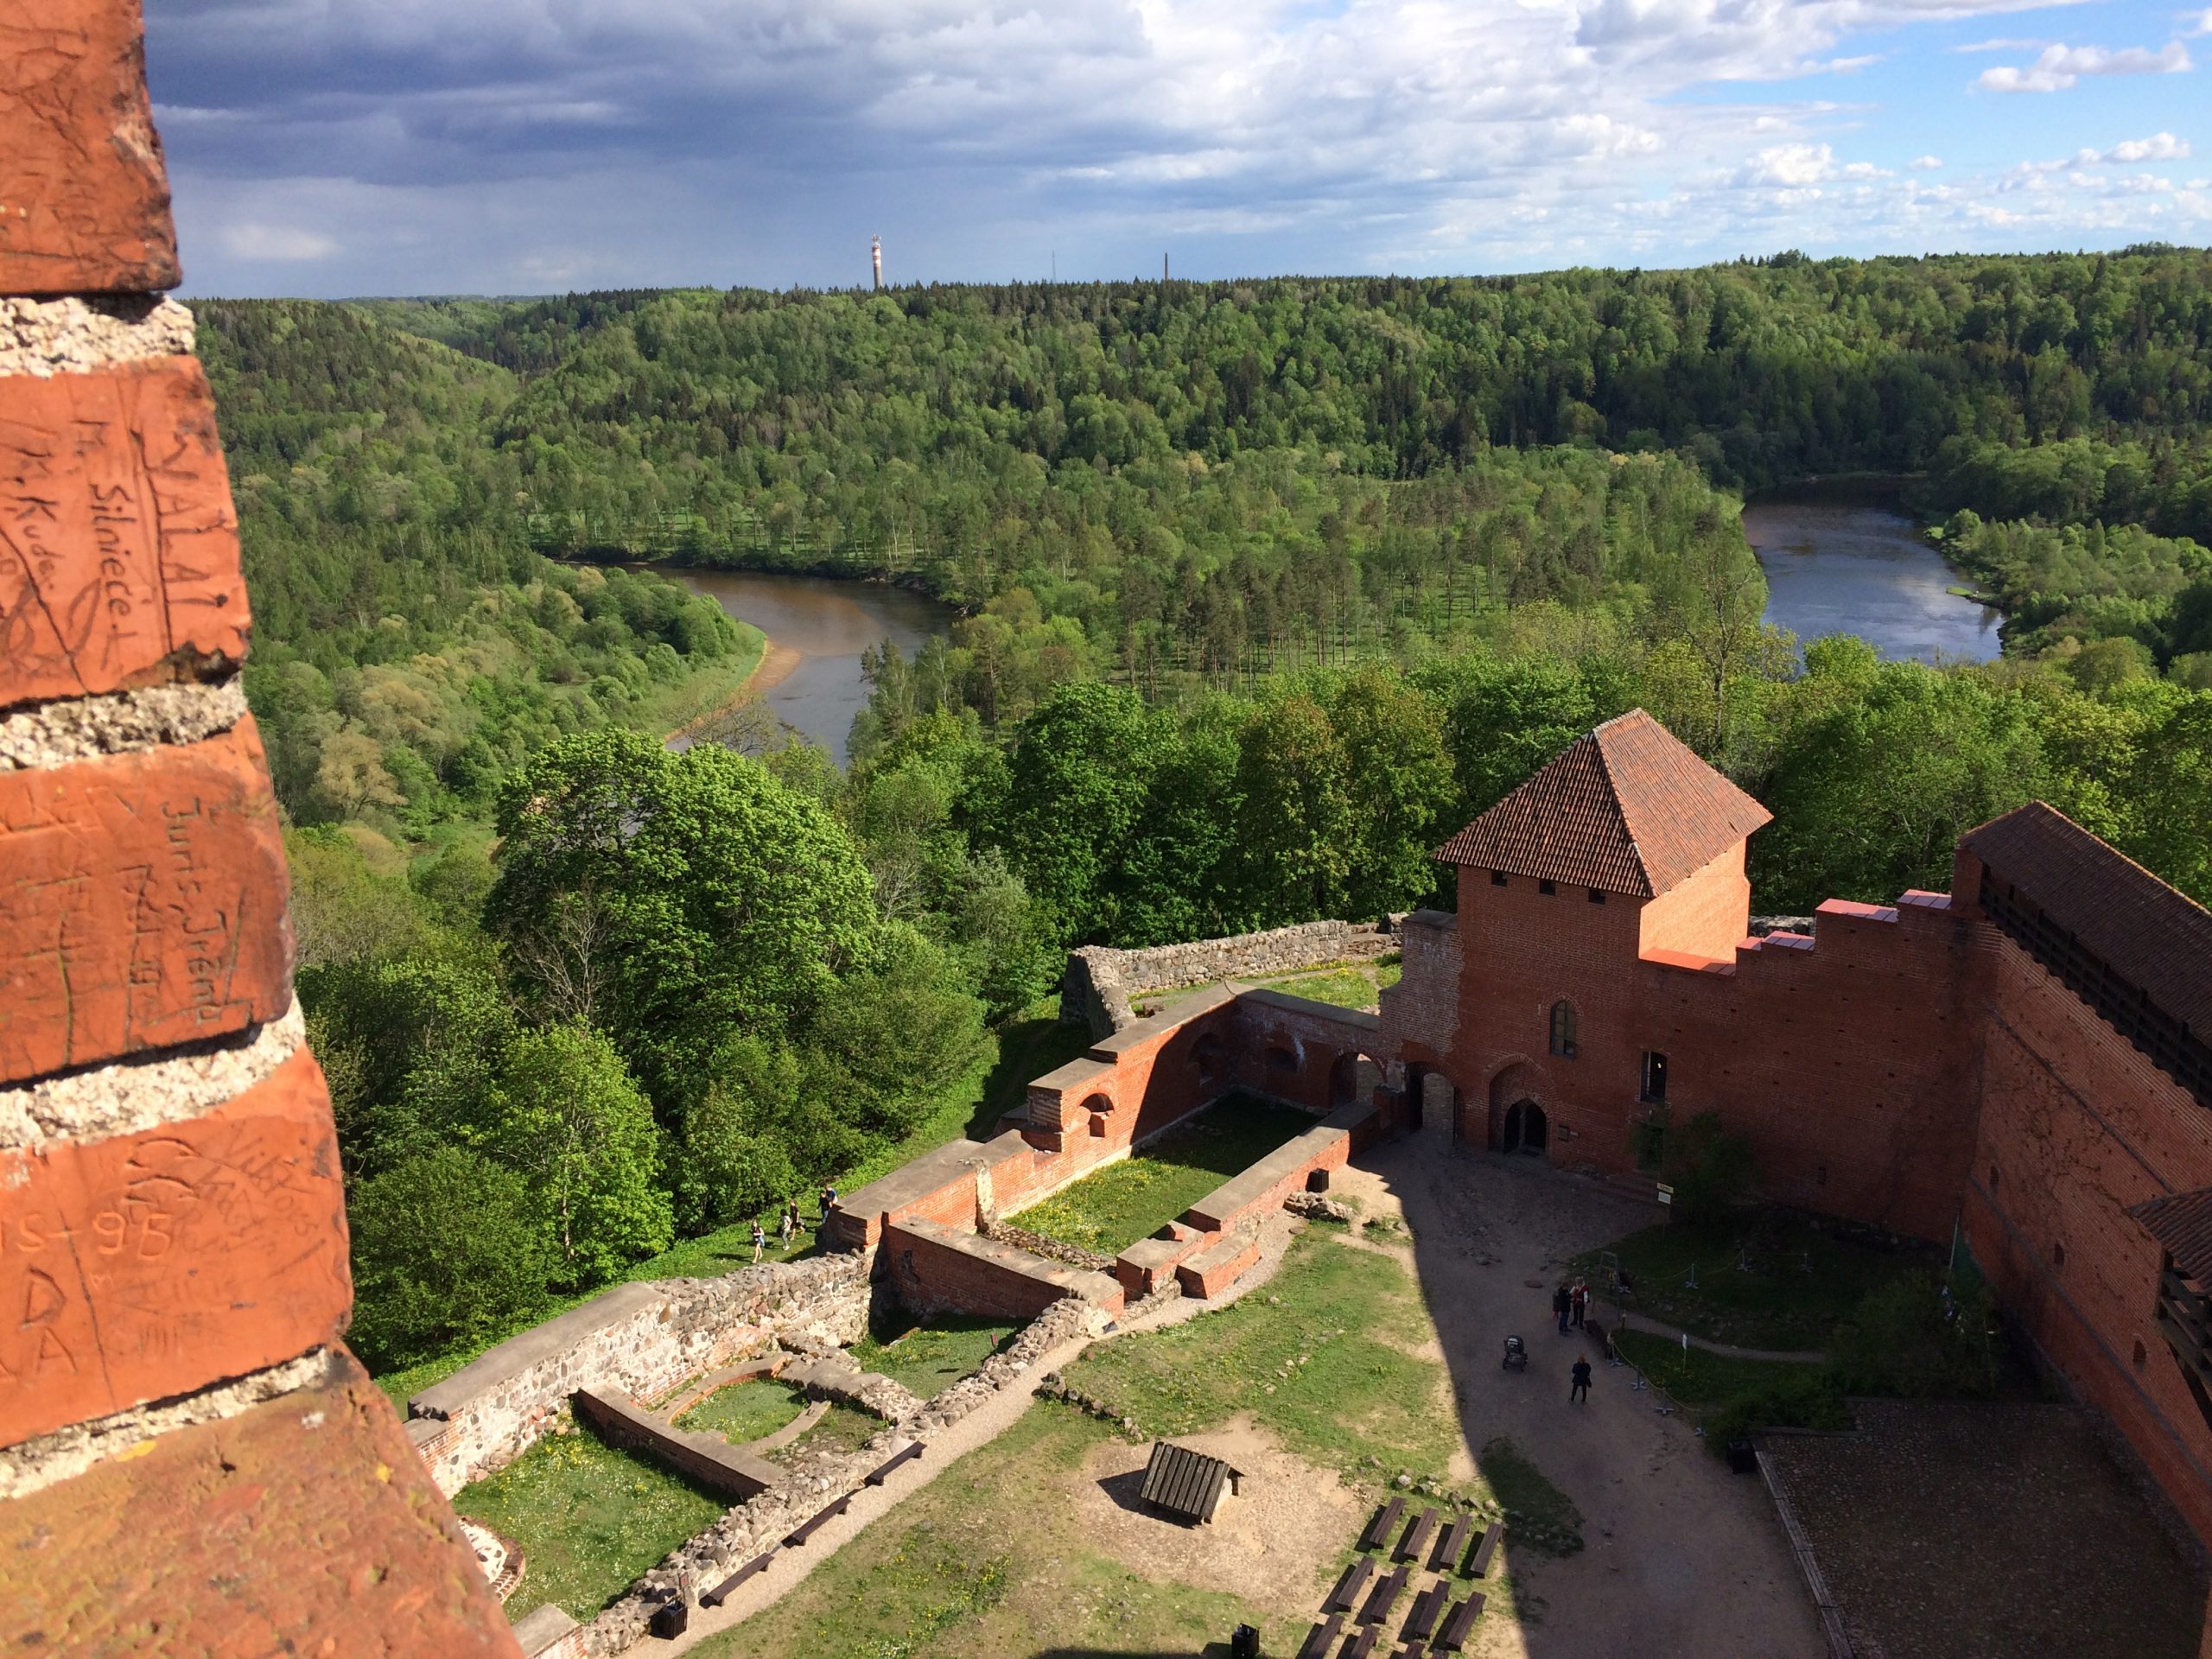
[[1430, 1629], [1450, 1551], [875, 1477]]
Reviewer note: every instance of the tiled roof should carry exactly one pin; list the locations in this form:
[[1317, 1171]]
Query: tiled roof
[[2142, 929], [2182, 1223], [1626, 808]]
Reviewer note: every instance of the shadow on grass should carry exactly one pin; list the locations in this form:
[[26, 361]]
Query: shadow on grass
[[1028, 1049]]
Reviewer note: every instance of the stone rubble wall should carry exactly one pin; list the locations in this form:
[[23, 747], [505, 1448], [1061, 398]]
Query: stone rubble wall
[[641, 1340], [815, 1483], [1100, 980], [1052, 1248]]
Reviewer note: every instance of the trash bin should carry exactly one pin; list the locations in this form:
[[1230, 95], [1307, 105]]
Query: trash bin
[[1743, 1457], [1245, 1643], [669, 1618]]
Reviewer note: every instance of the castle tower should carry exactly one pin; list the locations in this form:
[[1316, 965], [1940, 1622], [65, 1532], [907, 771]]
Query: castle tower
[[875, 254]]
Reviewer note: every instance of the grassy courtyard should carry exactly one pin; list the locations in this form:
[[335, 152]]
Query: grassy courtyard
[[1770, 1279], [926, 1358], [589, 1518], [1129, 1200], [745, 1412]]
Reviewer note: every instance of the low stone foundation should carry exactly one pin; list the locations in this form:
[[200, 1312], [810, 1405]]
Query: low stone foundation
[[636, 1341], [1101, 980]]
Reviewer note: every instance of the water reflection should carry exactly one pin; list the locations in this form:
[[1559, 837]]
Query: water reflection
[[817, 628], [1843, 561]]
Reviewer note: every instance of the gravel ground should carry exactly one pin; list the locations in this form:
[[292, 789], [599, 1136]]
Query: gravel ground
[[1951, 1530]]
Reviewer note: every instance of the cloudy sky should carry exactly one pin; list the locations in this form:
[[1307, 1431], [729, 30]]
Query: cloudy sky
[[350, 147]]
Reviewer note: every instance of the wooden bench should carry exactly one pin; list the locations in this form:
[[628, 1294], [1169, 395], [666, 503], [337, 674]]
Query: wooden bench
[[1385, 1521], [875, 1476], [820, 1521], [1479, 1567], [722, 1592], [1318, 1639], [1380, 1599], [1419, 1531], [1348, 1586], [1450, 1546], [1420, 1625], [1462, 1620], [1363, 1645]]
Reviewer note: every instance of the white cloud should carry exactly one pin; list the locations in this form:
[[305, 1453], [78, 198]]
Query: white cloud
[[2060, 66], [2158, 147], [2195, 23], [286, 243], [1789, 166], [1925, 163]]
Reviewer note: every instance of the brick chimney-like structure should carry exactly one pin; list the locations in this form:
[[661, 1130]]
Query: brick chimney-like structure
[[190, 1461]]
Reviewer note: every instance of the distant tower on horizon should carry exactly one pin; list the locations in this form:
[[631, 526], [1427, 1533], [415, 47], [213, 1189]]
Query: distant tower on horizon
[[875, 254]]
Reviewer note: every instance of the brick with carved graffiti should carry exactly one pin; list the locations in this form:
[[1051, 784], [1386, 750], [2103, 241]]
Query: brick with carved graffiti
[[84, 197], [141, 904], [118, 546], [149, 1264]]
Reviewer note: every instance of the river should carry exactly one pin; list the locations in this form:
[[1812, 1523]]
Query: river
[[816, 627], [1841, 559]]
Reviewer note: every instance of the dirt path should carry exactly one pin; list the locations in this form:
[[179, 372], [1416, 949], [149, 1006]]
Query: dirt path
[[1682, 1557], [1727, 1350], [775, 666]]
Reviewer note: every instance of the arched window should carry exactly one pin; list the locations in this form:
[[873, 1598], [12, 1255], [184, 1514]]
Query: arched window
[[1563, 1028]]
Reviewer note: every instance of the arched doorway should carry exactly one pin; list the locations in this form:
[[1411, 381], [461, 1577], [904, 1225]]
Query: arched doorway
[[1519, 1121], [1525, 1128], [1433, 1100], [1353, 1078]]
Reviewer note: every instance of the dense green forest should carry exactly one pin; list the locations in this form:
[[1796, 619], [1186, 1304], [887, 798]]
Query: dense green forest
[[1262, 588]]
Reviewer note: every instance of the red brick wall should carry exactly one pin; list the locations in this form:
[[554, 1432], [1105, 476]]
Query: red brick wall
[[195, 1464], [1704, 916], [2075, 1126]]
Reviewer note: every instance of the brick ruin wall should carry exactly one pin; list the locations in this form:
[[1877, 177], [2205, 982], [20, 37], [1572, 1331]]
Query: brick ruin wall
[[185, 1444], [1100, 980], [641, 1340]]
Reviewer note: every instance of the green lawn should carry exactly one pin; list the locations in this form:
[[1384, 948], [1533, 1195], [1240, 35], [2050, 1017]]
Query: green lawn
[[990, 1562], [1802, 1280], [1129, 1200], [1319, 1357], [590, 1519], [926, 1358], [1698, 1377], [745, 1412], [1347, 987], [842, 1428]]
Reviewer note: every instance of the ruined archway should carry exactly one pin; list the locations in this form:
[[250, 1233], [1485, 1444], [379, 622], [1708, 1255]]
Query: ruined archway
[[1432, 1100], [1353, 1079]]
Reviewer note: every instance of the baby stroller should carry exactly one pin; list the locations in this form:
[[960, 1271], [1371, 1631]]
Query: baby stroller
[[1516, 1354]]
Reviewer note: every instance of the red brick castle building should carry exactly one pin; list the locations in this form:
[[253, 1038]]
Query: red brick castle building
[[2023, 1064]]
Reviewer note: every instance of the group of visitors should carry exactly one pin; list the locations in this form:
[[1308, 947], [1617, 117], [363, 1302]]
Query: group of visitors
[[788, 1223], [1570, 1303]]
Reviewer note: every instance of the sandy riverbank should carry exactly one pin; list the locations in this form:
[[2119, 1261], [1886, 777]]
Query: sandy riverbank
[[775, 666]]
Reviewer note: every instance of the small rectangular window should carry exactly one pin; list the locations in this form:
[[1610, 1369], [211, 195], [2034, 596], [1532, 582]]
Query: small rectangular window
[[1497, 878], [1655, 1074], [1543, 885], [1596, 895]]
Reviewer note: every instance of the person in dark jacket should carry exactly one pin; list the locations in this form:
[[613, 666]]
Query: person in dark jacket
[[1561, 1304], [1581, 1388]]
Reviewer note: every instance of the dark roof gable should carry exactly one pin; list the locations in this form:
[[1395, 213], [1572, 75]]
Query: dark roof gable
[[1627, 808], [2181, 1222]]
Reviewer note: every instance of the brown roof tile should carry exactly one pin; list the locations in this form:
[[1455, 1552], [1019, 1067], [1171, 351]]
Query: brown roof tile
[[2143, 931], [2182, 1223], [1627, 808]]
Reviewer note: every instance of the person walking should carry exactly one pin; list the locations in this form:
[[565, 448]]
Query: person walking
[[760, 1240], [1580, 1296], [1560, 1305], [1581, 1389], [787, 1222]]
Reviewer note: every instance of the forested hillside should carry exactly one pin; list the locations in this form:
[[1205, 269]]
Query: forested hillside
[[1264, 588]]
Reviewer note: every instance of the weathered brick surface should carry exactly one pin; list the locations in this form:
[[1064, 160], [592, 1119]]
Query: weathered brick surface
[[146, 1265], [141, 904], [84, 198], [302, 1526], [118, 544]]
